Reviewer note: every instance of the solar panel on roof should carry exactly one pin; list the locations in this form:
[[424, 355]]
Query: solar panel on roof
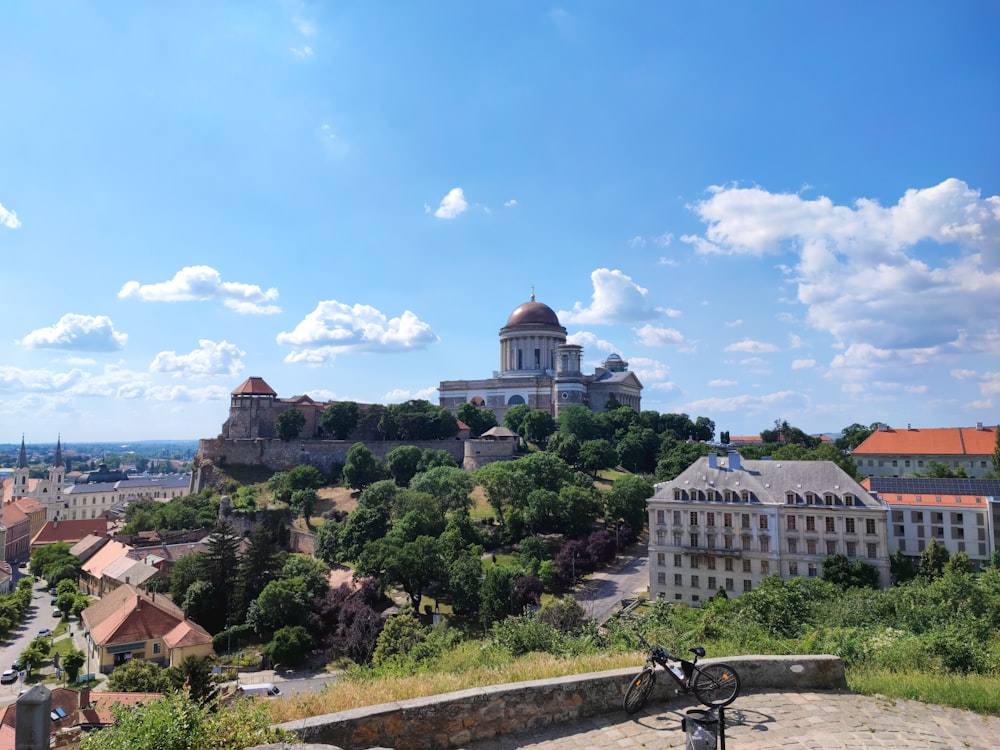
[[60, 711], [935, 486]]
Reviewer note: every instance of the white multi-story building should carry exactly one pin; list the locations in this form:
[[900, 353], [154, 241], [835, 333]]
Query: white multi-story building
[[731, 523], [961, 514]]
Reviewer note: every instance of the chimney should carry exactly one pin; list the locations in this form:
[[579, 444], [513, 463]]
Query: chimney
[[84, 697], [979, 426], [711, 461], [734, 461]]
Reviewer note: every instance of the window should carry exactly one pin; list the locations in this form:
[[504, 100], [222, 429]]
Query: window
[[677, 561], [830, 525], [765, 544], [157, 648], [746, 566], [956, 518], [811, 547], [793, 546], [813, 570], [810, 523], [765, 567], [677, 494], [937, 517], [710, 519], [745, 521], [711, 495], [678, 580], [661, 558], [898, 530], [747, 541], [828, 499], [677, 518], [897, 516], [872, 551], [763, 522], [957, 532], [661, 579], [869, 525], [793, 568], [831, 548], [727, 520], [902, 545], [711, 583], [849, 525], [729, 563], [747, 585], [916, 516], [729, 584], [694, 582], [920, 532], [695, 562], [693, 520], [791, 523], [711, 563], [660, 517], [694, 539]]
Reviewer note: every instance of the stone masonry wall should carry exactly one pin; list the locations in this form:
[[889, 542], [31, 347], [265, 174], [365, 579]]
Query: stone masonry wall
[[455, 719]]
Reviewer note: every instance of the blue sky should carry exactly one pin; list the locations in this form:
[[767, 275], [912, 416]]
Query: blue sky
[[771, 210]]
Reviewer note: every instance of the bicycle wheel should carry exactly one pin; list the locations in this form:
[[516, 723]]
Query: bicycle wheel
[[716, 684], [639, 689]]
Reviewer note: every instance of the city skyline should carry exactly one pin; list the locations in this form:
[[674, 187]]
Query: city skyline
[[778, 211]]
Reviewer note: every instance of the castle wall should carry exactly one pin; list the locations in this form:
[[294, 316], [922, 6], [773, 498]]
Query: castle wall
[[478, 453]]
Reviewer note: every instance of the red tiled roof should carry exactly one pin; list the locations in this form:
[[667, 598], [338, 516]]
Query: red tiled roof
[[945, 501], [935, 441], [71, 531], [254, 386]]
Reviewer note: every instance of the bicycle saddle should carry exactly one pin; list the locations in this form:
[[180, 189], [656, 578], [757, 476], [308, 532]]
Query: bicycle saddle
[[698, 651]]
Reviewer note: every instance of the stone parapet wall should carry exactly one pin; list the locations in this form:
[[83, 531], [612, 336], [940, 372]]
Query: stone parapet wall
[[452, 720]]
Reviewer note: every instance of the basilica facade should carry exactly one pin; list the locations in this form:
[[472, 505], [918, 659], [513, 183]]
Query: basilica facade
[[539, 368]]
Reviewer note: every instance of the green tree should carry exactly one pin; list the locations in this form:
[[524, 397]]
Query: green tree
[[221, 570], [901, 568], [852, 436], [177, 722], [402, 463], [479, 419], [449, 485], [514, 416], [290, 424], [432, 457], [141, 676], [328, 541], [340, 419], [939, 470], [495, 593], [72, 663], [627, 500], [996, 451], [362, 468], [596, 455], [195, 674], [844, 574], [290, 645], [282, 602], [314, 573], [505, 484], [581, 422], [364, 525], [259, 565], [303, 502], [565, 615], [932, 560], [185, 572], [537, 426], [464, 574], [399, 637]]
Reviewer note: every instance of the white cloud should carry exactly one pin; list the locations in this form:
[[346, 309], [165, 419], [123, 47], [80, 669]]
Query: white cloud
[[794, 341], [963, 374], [916, 269], [510, 204], [201, 284], [721, 383], [452, 205], [209, 360], [803, 364], [616, 299], [637, 241], [335, 328], [747, 404], [302, 52], [652, 373], [399, 395], [304, 26], [733, 323], [990, 383], [665, 261], [8, 218], [664, 239], [752, 347], [88, 333], [650, 335], [589, 340]]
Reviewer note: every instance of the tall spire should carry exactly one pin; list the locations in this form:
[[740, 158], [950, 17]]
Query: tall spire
[[22, 457], [59, 460]]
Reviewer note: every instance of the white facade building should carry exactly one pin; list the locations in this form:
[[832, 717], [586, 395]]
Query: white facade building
[[731, 523]]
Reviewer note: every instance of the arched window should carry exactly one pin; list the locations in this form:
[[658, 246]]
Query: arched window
[[515, 400]]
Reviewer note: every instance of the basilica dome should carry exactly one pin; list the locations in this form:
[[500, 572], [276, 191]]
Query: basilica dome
[[533, 313]]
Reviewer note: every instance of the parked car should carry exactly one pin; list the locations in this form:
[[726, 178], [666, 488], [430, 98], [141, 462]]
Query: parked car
[[17, 663], [57, 612], [53, 600], [44, 631], [9, 676]]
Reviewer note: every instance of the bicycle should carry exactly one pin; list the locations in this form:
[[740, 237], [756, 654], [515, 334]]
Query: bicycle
[[715, 685]]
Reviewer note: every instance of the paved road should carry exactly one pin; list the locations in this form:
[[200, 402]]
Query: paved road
[[773, 720], [602, 592], [38, 617]]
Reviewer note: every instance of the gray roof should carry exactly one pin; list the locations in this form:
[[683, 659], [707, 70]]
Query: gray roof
[[769, 481]]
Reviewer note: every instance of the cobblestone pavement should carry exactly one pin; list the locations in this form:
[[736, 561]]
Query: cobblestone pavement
[[765, 720]]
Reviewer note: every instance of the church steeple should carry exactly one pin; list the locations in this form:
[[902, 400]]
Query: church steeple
[[59, 458], [22, 457]]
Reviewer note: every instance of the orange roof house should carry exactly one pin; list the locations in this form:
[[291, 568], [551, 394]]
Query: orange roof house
[[92, 578], [130, 624], [910, 451], [68, 531]]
